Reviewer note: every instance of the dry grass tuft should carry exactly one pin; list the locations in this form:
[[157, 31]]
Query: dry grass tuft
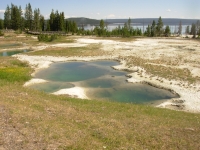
[[159, 68], [90, 50]]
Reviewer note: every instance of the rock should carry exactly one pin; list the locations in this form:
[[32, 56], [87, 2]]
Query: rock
[[178, 101], [178, 105]]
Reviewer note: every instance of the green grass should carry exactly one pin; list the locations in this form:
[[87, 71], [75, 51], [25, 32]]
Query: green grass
[[14, 70], [90, 50], [14, 74], [36, 120]]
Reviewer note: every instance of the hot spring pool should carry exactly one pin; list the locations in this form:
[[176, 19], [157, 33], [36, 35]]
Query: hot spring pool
[[99, 81]]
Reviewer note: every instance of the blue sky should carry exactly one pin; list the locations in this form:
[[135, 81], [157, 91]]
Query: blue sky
[[102, 9]]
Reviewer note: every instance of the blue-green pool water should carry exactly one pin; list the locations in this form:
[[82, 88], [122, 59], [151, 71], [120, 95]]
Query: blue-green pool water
[[100, 81], [10, 53]]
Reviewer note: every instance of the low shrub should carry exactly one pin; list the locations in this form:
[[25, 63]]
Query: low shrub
[[46, 38], [18, 32]]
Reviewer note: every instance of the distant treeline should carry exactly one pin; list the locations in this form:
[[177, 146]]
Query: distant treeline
[[33, 20]]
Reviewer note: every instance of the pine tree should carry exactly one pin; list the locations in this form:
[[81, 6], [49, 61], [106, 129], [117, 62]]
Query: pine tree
[[52, 21], [67, 26], [125, 30], [139, 32], [62, 21], [7, 18], [15, 17], [36, 20], [56, 21], [159, 27], [48, 26], [102, 28], [148, 31], [21, 18], [102, 24], [129, 24], [1, 24], [167, 31], [70, 26], [153, 29], [42, 23], [119, 30], [74, 27], [28, 17], [193, 30]]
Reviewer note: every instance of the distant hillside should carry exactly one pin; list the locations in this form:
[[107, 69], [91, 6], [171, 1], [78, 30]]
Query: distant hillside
[[146, 21], [140, 21], [85, 21]]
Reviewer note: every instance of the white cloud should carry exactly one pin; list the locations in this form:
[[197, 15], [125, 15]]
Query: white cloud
[[111, 16], [46, 16], [98, 13], [168, 10], [66, 16], [2, 11]]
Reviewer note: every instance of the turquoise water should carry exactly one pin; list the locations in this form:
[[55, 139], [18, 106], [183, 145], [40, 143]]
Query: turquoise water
[[10, 53], [100, 82], [78, 71]]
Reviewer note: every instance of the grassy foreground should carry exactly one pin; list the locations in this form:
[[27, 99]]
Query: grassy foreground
[[35, 120]]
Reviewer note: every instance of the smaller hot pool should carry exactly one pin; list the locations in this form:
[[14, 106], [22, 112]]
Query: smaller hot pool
[[10, 53]]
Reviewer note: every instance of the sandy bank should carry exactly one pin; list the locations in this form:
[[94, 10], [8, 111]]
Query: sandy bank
[[77, 92], [34, 81]]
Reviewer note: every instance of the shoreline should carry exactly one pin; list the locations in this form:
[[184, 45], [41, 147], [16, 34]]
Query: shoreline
[[176, 104]]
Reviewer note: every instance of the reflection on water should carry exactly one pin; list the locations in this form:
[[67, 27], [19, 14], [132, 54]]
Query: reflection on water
[[100, 81], [130, 93], [78, 71], [10, 53]]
